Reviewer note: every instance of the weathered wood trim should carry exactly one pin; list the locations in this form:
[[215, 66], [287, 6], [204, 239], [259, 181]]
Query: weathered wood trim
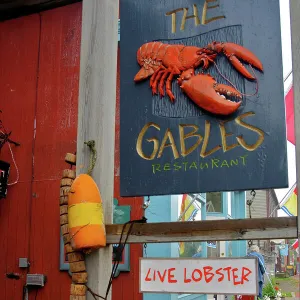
[[295, 31], [18, 8], [220, 230], [96, 117]]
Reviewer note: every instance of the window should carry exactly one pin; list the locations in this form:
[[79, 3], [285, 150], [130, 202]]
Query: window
[[189, 209], [214, 202], [229, 199], [213, 249], [229, 249]]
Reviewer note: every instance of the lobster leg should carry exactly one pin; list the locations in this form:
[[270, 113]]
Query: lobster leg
[[155, 83], [175, 71], [169, 87], [162, 83], [155, 74]]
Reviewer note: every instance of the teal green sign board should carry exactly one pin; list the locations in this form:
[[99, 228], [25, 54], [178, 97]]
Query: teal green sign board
[[121, 215]]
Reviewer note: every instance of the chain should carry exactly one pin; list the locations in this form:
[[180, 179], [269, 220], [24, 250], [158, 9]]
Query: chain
[[249, 203], [145, 250], [145, 206]]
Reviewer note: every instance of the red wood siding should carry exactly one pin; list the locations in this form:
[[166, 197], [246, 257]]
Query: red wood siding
[[39, 74], [18, 66], [56, 133], [39, 63]]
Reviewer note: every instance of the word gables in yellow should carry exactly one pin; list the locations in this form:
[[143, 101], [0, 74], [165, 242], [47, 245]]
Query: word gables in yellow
[[168, 140]]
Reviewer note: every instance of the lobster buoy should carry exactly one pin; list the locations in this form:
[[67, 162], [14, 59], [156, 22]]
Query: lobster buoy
[[85, 214]]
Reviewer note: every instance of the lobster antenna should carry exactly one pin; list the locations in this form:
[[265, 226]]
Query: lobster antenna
[[247, 95]]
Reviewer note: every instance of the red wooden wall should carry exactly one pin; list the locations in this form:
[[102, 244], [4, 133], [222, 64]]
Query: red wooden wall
[[19, 47], [39, 63], [39, 73]]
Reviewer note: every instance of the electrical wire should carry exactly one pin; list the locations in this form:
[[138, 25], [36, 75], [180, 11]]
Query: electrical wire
[[120, 249], [4, 138]]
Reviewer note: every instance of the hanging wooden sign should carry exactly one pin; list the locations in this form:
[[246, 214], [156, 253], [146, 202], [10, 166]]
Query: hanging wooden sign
[[234, 276], [202, 101]]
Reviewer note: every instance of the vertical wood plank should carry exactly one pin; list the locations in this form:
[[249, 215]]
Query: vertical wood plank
[[56, 133], [19, 43], [96, 116], [295, 31]]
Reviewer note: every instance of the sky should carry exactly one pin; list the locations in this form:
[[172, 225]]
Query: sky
[[287, 68], [286, 38]]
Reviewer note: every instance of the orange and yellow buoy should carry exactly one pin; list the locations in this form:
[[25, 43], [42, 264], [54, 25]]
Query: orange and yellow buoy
[[85, 214]]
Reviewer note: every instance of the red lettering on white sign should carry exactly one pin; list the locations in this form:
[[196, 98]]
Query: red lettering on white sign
[[207, 276], [235, 275]]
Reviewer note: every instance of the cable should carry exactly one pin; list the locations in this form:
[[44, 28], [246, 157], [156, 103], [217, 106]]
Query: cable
[[14, 161], [120, 249]]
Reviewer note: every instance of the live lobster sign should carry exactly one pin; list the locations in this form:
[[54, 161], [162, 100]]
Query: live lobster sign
[[202, 101]]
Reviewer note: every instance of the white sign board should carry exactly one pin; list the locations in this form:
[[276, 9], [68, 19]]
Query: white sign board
[[199, 276]]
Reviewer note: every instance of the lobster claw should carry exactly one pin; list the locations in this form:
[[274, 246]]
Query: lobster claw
[[206, 93], [235, 53]]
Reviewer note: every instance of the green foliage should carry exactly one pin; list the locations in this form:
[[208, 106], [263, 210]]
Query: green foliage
[[268, 289]]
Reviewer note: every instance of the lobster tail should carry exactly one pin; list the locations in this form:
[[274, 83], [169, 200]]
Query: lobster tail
[[143, 73]]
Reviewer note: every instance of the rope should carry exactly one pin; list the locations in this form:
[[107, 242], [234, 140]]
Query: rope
[[93, 156], [120, 249], [14, 161], [94, 294], [77, 231]]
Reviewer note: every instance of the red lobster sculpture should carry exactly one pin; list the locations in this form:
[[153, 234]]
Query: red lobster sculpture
[[163, 61]]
